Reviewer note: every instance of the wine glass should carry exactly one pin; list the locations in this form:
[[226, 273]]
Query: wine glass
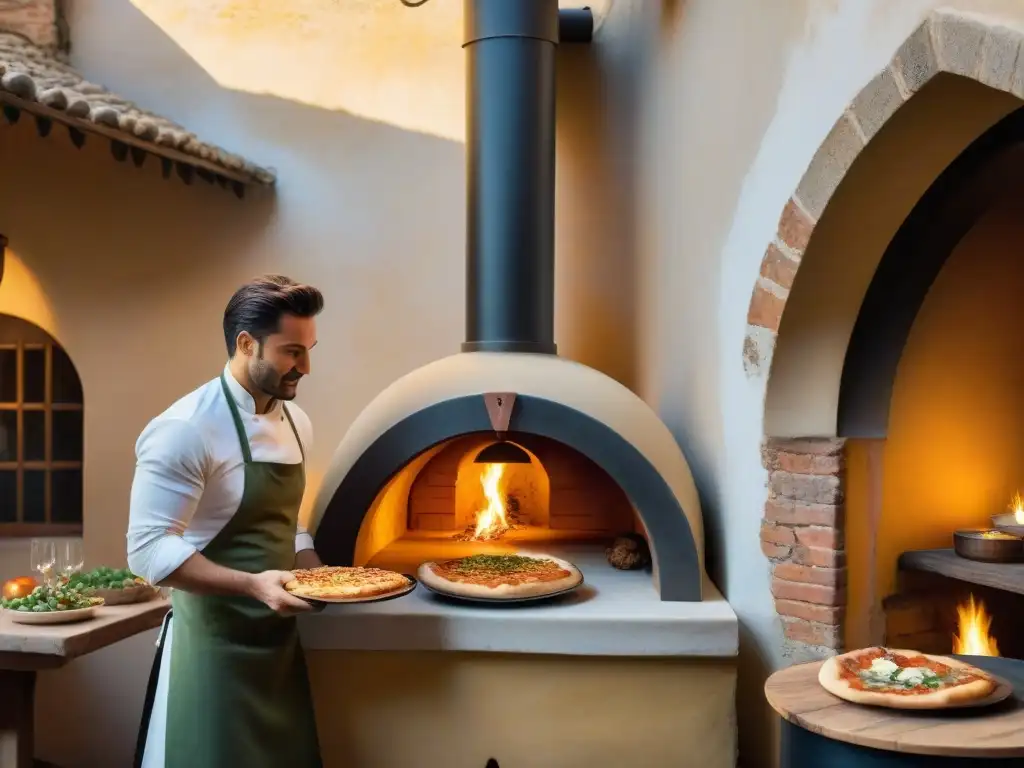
[[44, 557], [70, 557]]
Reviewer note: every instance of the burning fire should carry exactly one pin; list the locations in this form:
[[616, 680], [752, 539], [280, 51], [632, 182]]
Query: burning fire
[[973, 638], [492, 520], [1017, 507]]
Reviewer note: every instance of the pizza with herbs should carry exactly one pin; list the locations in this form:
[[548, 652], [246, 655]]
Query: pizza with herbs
[[904, 679], [338, 583], [501, 576]]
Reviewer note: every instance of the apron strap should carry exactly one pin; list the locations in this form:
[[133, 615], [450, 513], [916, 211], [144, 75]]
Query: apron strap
[[302, 451], [243, 439], [151, 688]]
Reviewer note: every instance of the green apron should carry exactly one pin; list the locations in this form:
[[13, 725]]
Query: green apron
[[239, 693]]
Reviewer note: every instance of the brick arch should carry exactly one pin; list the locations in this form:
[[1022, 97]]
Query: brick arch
[[970, 46], [803, 525]]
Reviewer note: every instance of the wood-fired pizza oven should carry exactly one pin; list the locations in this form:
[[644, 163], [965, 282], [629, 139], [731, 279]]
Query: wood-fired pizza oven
[[569, 454]]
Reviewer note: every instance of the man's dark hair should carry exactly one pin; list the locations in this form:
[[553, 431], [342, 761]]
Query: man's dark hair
[[257, 307]]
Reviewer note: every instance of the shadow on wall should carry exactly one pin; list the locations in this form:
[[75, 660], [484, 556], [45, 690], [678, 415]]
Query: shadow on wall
[[703, 136], [595, 241], [136, 270]]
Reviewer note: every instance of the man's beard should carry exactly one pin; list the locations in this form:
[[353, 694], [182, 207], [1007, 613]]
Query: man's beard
[[267, 380]]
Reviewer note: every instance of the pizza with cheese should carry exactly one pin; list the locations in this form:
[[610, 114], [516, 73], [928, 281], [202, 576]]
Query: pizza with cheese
[[904, 679], [337, 583], [502, 576]]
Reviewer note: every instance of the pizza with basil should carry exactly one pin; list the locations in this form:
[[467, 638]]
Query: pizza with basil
[[500, 576], [337, 583], [900, 679]]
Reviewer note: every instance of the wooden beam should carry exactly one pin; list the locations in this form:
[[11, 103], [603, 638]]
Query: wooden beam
[[1008, 577]]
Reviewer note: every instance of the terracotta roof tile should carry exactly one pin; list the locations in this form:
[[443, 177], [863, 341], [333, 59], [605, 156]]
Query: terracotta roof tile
[[39, 83]]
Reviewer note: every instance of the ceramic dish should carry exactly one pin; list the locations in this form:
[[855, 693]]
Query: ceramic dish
[[52, 617]]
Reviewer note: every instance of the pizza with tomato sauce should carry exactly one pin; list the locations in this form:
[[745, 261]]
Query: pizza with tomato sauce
[[500, 576], [904, 679]]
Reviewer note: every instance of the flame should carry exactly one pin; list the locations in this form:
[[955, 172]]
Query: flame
[[492, 521], [1017, 506], [973, 638]]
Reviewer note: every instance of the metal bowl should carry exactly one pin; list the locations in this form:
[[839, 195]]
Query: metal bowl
[[1007, 522], [988, 546]]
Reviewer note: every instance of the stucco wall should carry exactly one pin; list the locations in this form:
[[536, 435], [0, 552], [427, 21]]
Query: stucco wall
[[737, 105], [130, 272], [686, 130]]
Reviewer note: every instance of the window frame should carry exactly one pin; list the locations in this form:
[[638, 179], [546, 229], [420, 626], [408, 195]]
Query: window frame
[[20, 528]]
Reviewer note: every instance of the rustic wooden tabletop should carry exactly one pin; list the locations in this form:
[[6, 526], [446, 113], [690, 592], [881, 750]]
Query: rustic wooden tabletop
[[985, 732]]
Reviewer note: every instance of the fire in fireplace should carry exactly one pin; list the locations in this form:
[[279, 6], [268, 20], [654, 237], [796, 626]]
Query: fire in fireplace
[[506, 444], [972, 636], [547, 492]]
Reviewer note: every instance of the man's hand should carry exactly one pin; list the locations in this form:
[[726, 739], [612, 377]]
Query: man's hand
[[268, 588]]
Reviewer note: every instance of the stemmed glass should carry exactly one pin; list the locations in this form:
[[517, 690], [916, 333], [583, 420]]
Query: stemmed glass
[[70, 557], [44, 557]]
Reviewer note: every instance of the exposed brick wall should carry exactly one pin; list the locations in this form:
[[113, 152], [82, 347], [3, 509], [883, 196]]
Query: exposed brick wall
[[582, 497], [38, 20], [948, 40], [802, 536]]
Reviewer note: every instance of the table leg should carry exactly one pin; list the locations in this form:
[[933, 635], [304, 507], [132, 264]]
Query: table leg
[[17, 717]]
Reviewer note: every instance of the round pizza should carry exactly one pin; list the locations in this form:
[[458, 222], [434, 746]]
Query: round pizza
[[500, 576], [904, 679], [338, 583]]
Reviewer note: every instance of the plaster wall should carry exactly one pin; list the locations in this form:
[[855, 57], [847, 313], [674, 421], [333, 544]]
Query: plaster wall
[[362, 117], [737, 99], [685, 131]]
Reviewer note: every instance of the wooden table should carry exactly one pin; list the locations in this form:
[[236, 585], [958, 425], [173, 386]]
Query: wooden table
[[819, 729], [26, 649]]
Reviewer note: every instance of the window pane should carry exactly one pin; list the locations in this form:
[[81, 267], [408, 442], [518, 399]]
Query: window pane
[[34, 489], [8, 496], [66, 386], [34, 425], [8, 375], [67, 436], [66, 496], [8, 435], [34, 375]]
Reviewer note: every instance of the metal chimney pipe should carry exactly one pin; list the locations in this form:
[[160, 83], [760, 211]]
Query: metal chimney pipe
[[510, 175]]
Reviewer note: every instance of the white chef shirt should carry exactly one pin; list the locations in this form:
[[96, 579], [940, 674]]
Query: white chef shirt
[[190, 472]]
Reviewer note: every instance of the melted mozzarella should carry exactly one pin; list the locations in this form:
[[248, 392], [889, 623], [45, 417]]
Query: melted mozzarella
[[913, 675], [883, 667]]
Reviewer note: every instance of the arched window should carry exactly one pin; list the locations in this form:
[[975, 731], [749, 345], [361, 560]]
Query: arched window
[[40, 434]]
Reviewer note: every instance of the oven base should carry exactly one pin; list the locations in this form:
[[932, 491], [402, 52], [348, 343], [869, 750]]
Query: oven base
[[459, 710], [615, 613]]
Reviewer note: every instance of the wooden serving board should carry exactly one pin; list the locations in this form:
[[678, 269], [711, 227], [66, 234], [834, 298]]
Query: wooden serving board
[[993, 731]]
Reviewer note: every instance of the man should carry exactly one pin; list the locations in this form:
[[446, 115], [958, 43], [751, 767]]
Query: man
[[214, 515]]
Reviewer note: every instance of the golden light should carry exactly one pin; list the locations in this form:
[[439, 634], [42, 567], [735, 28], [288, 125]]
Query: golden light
[[973, 638], [1017, 507], [375, 59], [492, 520]]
